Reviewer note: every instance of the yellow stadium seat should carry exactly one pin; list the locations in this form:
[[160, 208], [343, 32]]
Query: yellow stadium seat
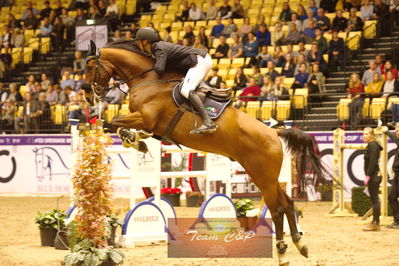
[[370, 29], [343, 109], [252, 109], [366, 108], [237, 62], [283, 110], [223, 73], [224, 63], [300, 99], [248, 71], [232, 72], [201, 23], [376, 108], [266, 110]]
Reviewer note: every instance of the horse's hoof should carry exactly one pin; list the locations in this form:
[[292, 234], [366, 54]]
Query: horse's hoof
[[304, 251]]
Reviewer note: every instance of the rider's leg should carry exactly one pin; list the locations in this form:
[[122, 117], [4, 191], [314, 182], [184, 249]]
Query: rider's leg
[[193, 77]]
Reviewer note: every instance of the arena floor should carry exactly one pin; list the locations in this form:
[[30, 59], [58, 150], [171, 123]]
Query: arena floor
[[331, 241]]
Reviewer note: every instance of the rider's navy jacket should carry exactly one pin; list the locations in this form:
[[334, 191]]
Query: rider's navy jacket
[[169, 56]]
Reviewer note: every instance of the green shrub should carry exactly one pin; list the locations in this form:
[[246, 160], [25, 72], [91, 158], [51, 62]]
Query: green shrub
[[361, 202]]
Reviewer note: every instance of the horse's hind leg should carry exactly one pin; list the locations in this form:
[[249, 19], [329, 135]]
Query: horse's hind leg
[[295, 235]]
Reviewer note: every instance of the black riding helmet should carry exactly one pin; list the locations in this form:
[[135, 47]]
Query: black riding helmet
[[148, 34]]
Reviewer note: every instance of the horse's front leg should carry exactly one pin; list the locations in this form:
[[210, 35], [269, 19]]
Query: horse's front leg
[[133, 120]]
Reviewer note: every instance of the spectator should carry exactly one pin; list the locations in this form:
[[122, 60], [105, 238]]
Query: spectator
[[279, 91], [67, 81], [265, 90], [238, 10], [263, 57], [29, 10], [322, 21], [129, 35], [83, 109], [293, 35], [18, 38], [30, 22], [257, 75], [321, 41], [310, 18], [355, 91], [112, 14], [271, 72], [189, 35], [340, 23], [302, 49], [102, 8], [222, 49], [316, 84], [36, 91], [312, 6], [237, 48], [45, 82], [315, 56], [336, 52], [278, 57], [373, 89], [8, 113], [240, 79], [285, 15], [296, 21], [45, 12], [301, 78], [185, 42], [310, 33], [301, 60], [12, 22], [30, 85], [225, 10], [29, 115], [185, 12], [230, 28], [245, 28], [46, 29], [379, 62], [250, 93], [366, 10], [135, 27], [301, 13], [251, 48], [214, 79], [355, 23], [261, 22], [204, 38], [218, 28], [68, 96], [263, 36], [390, 86], [13, 93], [328, 5], [53, 15], [198, 45], [80, 15], [117, 36], [277, 35], [44, 113], [6, 37], [114, 96], [195, 12], [354, 4], [389, 67], [6, 59], [288, 66], [57, 36], [68, 23], [368, 75], [79, 63], [59, 7], [290, 50], [93, 13], [212, 11], [79, 82], [3, 94], [51, 95]]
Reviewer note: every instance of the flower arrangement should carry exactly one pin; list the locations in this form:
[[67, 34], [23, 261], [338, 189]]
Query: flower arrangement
[[54, 219], [243, 206], [169, 190], [190, 194]]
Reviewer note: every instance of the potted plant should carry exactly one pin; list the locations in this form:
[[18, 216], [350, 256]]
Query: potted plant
[[49, 224], [172, 194], [113, 223], [86, 253], [246, 213], [194, 198]]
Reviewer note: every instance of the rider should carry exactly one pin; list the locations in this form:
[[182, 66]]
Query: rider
[[196, 62]]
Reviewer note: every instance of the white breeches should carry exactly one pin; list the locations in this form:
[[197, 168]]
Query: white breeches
[[196, 74]]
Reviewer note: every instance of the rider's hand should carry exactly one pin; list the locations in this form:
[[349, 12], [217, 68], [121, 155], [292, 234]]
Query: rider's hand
[[366, 180]]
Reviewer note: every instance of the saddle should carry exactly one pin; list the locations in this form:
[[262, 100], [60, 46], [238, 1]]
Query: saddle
[[215, 100]]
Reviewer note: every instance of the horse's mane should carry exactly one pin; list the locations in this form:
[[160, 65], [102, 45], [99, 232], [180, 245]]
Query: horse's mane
[[125, 44]]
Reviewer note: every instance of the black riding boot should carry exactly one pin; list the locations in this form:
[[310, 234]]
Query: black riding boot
[[207, 124]]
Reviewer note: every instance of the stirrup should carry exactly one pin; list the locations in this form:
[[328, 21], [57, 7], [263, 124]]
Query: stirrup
[[206, 129]]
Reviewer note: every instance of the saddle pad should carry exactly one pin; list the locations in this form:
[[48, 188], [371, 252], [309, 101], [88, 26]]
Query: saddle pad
[[212, 107]]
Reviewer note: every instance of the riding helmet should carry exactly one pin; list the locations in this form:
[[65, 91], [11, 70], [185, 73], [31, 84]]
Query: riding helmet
[[148, 34]]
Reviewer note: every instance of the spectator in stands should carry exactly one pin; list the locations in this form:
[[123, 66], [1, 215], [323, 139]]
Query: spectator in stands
[[354, 4], [265, 90], [302, 49], [67, 81], [135, 27], [214, 79], [293, 35], [46, 29], [271, 71], [251, 48], [315, 84], [290, 50], [59, 7], [218, 28], [51, 95], [373, 89], [3, 94], [83, 109], [36, 91], [117, 35], [185, 12], [312, 6], [204, 38], [322, 21], [8, 112], [315, 56], [237, 48], [80, 15], [321, 41], [336, 52], [198, 45], [83, 4], [355, 23], [53, 15], [238, 10], [279, 91], [30, 22], [45, 82], [6, 37], [301, 78], [13, 93], [328, 5], [240, 79], [212, 11], [230, 28], [366, 10], [129, 35], [250, 93], [355, 92], [340, 23], [390, 86], [79, 82], [30, 10], [194, 12], [6, 59], [296, 21], [17, 38], [278, 56], [222, 49], [263, 57], [189, 35], [93, 13], [185, 42], [288, 66], [44, 113], [388, 66], [45, 12], [277, 35], [225, 11], [285, 15], [257, 75], [30, 85], [70, 96], [379, 62], [310, 33], [29, 115], [58, 35], [368, 75], [263, 36], [12, 22], [112, 14], [261, 22], [68, 23], [310, 17], [301, 60], [102, 8], [245, 28], [301, 13]]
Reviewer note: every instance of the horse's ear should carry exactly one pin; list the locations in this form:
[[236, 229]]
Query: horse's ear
[[92, 48]]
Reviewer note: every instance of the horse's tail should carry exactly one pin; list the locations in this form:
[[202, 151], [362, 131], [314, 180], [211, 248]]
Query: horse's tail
[[305, 150]]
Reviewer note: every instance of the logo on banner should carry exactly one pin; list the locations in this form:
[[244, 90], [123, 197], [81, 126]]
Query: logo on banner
[[6, 179], [46, 160]]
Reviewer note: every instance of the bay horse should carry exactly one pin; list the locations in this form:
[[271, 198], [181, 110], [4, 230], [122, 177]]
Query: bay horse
[[239, 136]]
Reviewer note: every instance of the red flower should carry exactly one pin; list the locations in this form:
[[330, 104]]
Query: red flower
[[169, 190]]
